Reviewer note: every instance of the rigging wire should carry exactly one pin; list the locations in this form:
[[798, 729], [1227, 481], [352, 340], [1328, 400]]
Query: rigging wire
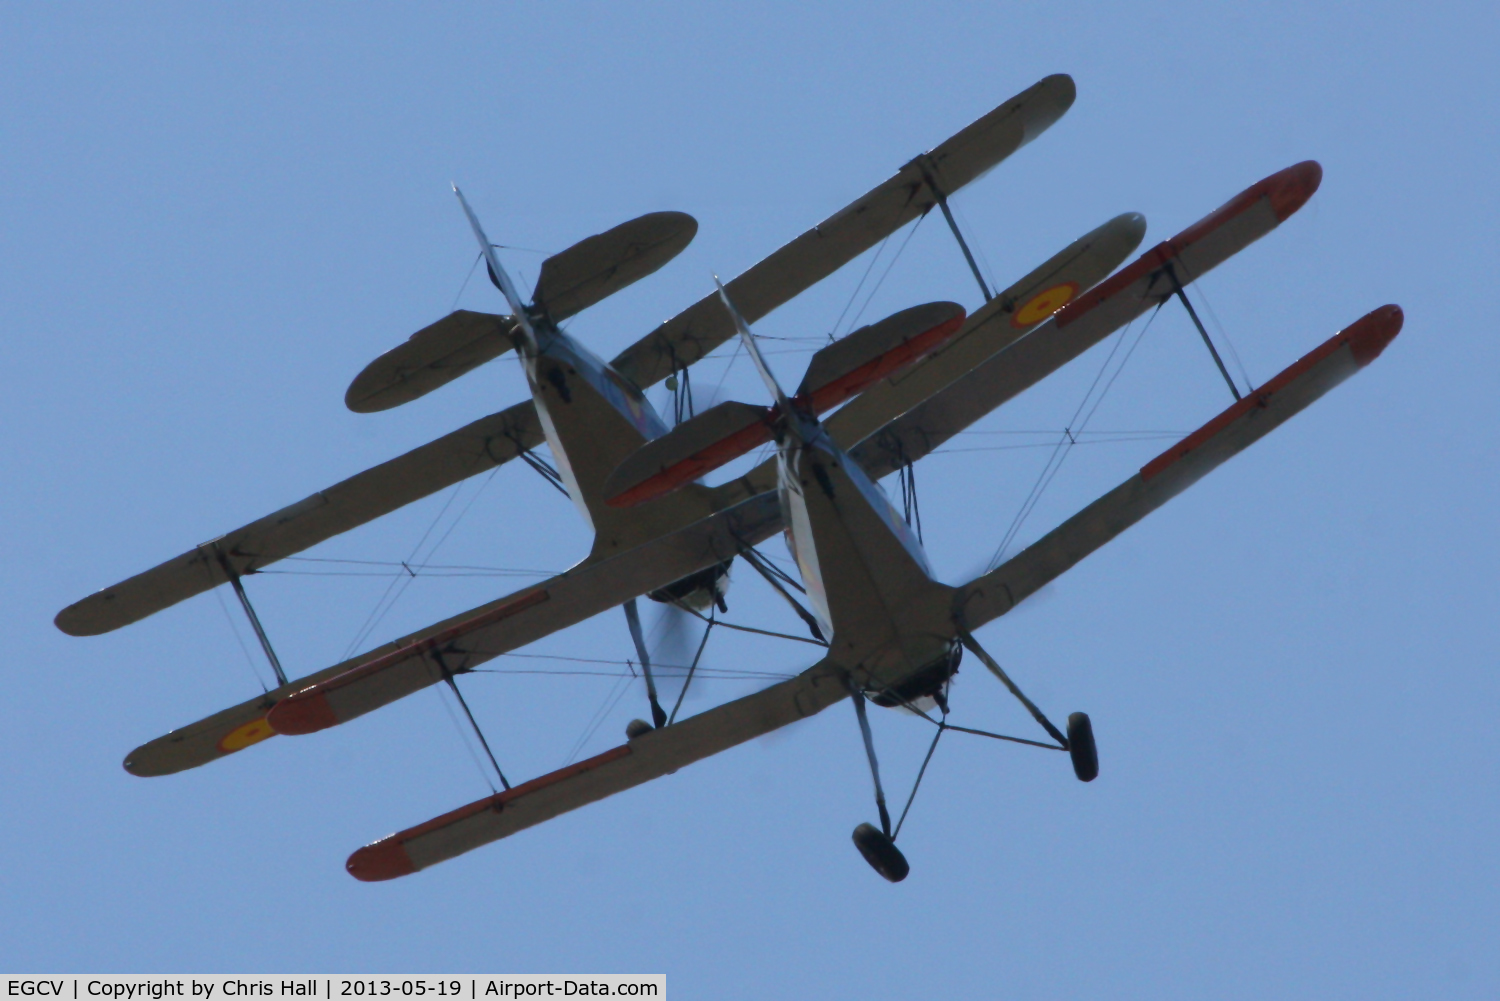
[[1122, 440], [392, 592], [833, 331], [1064, 444], [751, 629], [884, 274], [546, 470], [600, 715], [477, 256]]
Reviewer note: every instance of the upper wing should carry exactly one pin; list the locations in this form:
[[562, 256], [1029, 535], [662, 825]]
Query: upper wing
[[651, 755], [1090, 318], [822, 250], [482, 445], [1179, 467]]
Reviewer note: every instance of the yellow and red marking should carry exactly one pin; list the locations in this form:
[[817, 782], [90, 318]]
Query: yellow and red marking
[[1044, 304], [246, 734]]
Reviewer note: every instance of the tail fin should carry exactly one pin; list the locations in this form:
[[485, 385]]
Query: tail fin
[[749, 340], [497, 272]]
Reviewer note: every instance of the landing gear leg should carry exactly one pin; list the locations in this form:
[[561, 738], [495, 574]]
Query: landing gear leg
[[633, 619], [876, 844], [1079, 742]]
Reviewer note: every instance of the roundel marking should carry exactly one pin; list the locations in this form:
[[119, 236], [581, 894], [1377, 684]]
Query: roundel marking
[[1044, 304], [246, 734]]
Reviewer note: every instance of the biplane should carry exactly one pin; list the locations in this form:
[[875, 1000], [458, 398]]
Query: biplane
[[902, 388]]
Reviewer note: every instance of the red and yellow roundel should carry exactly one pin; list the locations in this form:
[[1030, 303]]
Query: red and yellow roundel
[[246, 734], [1044, 304]]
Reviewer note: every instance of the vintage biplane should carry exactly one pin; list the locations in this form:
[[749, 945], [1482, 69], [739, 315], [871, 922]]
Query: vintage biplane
[[922, 375], [592, 415]]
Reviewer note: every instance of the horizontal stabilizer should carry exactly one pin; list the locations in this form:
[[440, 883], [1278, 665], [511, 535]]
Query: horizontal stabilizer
[[1179, 467], [651, 755], [434, 356], [693, 448], [850, 364], [595, 269]]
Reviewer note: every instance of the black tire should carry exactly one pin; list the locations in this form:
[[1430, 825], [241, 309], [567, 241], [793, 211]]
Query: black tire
[[637, 728], [881, 852], [1081, 747]]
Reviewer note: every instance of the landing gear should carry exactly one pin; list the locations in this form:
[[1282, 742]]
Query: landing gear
[[1081, 747], [878, 844], [1079, 742], [881, 852], [637, 728]]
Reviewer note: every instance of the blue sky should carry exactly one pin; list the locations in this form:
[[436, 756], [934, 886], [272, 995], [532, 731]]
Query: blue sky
[[215, 216]]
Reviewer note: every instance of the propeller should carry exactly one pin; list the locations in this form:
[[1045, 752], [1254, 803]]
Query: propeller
[[668, 642]]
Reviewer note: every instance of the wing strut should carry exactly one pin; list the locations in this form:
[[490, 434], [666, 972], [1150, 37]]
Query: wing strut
[[260, 632], [464, 704], [1181, 294], [942, 200]]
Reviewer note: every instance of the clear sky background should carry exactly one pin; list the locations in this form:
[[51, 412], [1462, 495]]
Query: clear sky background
[[214, 216]]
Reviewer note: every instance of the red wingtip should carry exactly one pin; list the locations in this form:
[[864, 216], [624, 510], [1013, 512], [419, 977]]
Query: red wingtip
[[385, 859], [1290, 189], [1369, 335], [1287, 191], [308, 711]]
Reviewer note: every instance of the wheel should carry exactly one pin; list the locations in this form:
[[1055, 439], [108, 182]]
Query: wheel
[[636, 728], [1081, 747], [881, 852]]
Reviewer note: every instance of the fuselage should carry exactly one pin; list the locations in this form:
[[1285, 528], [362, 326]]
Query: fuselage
[[594, 418], [866, 574]]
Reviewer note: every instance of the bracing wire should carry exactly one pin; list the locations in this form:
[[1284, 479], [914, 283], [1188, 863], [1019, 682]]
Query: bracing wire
[[477, 257], [1068, 439], [853, 296], [899, 251], [393, 593]]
